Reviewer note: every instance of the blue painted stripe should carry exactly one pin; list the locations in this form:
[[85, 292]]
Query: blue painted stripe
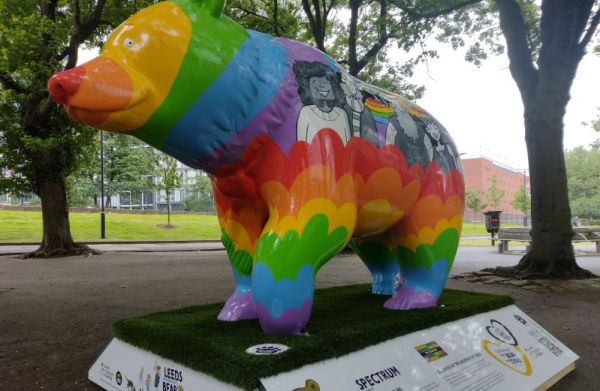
[[381, 120], [244, 88], [279, 296], [431, 279]]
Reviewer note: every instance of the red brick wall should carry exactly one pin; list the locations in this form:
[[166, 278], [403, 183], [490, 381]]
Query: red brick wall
[[478, 174]]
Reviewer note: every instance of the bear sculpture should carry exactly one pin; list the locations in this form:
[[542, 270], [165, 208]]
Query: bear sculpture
[[304, 158]]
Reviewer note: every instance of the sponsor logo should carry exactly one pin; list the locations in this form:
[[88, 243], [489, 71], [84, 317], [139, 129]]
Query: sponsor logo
[[267, 349], [431, 351], [172, 379], [375, 378], [510, 356], [501, 333], [520, 319], [505, 349]]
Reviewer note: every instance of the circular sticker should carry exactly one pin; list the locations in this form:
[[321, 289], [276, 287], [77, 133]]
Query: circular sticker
[[267, 349]]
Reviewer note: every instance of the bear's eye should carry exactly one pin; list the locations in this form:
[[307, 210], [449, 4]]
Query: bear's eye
[[128, 43]]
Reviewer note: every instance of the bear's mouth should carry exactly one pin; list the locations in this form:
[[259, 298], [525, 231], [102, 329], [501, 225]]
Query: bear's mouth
[[99, 115], [87, 116]]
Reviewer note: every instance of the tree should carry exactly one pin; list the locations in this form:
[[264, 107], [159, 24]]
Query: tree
[[39, 146], [494, 195], [583, 173], [521, 201], [201, 199], [544, 45], [128, 163], [373, 27], [169, 179], [474, 200], [565, 29], [275, 17]]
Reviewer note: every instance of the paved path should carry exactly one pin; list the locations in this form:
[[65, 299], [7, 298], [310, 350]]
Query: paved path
[[56, 314]]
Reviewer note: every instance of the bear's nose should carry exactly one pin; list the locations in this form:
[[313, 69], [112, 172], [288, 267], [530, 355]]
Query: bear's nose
[[63, 85]]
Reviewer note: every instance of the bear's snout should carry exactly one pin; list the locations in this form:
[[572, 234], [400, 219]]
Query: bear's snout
[[65, 84]]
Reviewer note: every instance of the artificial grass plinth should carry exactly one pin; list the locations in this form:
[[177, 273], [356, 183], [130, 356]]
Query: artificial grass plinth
[[344, 319]]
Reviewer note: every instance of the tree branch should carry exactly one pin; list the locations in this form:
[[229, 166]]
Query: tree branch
[[519, 53], [433, 14], [8, 83], [76, 14], [591, 30], [83, 31], [249, 12], [352, 57]]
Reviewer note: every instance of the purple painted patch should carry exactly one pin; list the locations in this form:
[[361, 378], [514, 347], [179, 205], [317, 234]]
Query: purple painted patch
[[381, 132], [291, 321], [406, 298], [238, 308]]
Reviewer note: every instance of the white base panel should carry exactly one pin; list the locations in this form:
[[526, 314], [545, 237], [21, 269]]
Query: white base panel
[[495, 351]]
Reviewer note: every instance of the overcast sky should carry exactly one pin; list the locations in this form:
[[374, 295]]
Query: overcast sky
[[482, 109]]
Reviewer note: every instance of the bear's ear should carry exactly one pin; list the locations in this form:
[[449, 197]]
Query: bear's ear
[[214, 7]]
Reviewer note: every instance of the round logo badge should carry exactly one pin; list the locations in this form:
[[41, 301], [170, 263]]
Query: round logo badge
[[267, 349]]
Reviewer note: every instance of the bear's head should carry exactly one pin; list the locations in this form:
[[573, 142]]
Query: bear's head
[[140, 65]]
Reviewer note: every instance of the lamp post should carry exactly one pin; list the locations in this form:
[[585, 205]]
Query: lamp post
[[102, 214]]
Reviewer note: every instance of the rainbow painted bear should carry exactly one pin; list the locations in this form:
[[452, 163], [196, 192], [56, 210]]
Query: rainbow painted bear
[[304, 158]]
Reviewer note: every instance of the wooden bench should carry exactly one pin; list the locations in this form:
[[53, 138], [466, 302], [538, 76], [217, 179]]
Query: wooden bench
[[580, 234]]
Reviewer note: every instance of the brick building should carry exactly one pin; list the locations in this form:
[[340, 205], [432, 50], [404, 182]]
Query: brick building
[[478, 174]]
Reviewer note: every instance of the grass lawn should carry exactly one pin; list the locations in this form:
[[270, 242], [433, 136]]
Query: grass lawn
[[344, 319], [17, 226]]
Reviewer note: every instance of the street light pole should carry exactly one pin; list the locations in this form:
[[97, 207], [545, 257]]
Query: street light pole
[[102, 214]]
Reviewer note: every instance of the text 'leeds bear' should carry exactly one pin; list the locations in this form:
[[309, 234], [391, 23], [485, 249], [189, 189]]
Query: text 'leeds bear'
[[304, 158]]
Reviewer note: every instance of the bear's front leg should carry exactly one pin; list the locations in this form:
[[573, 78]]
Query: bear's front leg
[[241, 222], [308, 225]]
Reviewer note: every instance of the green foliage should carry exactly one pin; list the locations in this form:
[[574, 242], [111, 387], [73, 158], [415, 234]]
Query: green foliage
[[583, 173], [200, 197], [474, 200], [275, 17], [475, 29], [344, 319], [494, 194], [37, 140], [168, 178], [521, 200]]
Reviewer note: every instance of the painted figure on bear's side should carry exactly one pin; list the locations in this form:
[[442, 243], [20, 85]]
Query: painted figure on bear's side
[[304, 158]]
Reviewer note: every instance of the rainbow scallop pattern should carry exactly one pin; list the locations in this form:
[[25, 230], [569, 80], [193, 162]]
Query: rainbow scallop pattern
[[287, 205]]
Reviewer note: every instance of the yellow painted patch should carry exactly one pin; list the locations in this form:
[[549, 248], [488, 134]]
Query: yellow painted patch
[[238, 235], [376, 216], [344, 216], [150, 47], [428, 235]]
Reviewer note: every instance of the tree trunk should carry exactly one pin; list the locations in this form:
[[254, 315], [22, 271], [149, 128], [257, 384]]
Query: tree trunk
[[551, 253], [56, 240], [168, 209]]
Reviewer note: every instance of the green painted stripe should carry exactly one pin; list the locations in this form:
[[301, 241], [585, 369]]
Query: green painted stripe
[[214, 43]]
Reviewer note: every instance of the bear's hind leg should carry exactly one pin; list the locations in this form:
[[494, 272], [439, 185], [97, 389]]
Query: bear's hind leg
[[426, 241], [381, 258]]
